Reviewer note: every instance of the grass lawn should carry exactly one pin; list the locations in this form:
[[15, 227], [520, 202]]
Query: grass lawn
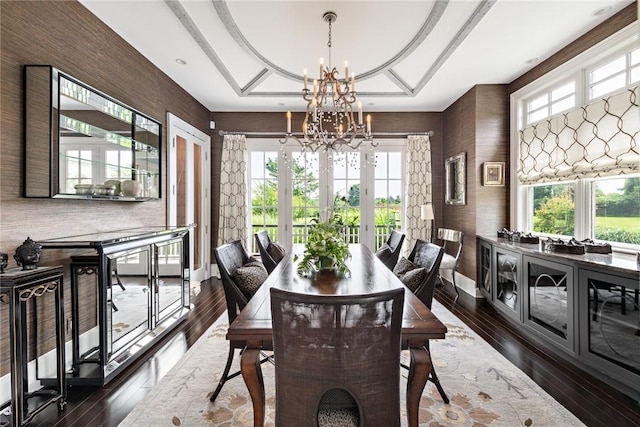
[[625, 223]]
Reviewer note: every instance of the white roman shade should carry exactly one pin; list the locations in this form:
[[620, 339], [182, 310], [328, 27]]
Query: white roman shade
[[596, 140]]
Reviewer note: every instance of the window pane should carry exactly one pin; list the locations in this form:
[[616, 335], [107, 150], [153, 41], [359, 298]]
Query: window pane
[[562, 105], [346, 193], [609, 69], [607, 86], [635, 74], [534, 116], [387, 197], [563, 91], [305, 193], [617, 210], [554, 209], [539, 102], [264, 194], [635, 57], [395, 162]]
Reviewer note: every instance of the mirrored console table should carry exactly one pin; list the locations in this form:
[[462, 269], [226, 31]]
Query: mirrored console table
[[128, 289]]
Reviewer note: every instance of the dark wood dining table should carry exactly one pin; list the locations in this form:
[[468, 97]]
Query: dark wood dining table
[[367, 275]]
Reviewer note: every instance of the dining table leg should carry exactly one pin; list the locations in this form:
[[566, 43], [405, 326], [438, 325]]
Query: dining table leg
[[252, 375], [419, 370]]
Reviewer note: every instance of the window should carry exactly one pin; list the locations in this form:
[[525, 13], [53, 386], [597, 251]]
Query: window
[[554, 101], [79, 171], [615, 74], [263, 185], [616, 210], [290, 189], [388, 195], [119, 164], [576, 145], [554, 209]]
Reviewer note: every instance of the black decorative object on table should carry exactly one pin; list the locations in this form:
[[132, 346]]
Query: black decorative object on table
[[4, 261], [28, 254], [595, 248]]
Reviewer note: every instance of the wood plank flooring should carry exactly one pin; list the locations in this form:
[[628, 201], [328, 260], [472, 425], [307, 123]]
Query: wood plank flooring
[[591, 400]]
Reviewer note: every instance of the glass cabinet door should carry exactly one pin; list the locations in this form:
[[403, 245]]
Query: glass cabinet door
[[549, 299], [610, 319], [169, 284], [484, 270], [128, 311], [507, 267]]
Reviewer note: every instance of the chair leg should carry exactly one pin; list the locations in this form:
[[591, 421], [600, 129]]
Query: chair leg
[[225, 374], [453, 282], [434, 379]]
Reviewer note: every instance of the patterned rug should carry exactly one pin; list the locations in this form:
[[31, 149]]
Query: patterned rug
[[485, 389]]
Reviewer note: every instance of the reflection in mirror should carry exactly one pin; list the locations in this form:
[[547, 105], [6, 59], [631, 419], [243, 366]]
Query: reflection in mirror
[[104, 149], [455, 179]]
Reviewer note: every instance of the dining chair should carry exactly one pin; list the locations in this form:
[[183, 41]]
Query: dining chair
[[449, 263], [428, 256], [390, 251], [346, 346], [230, 258], [270, 252]]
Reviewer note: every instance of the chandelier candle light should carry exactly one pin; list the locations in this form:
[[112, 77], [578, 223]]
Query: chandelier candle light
[[329, 120]]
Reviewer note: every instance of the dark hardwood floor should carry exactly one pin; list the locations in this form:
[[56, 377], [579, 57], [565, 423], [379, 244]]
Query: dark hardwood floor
[[591, 400]]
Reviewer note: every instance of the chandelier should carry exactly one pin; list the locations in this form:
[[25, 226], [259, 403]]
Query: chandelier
[[329, 122]]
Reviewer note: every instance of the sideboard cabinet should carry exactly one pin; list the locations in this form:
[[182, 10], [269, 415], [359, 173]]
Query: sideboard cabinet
[[587, 305], [128, 289]]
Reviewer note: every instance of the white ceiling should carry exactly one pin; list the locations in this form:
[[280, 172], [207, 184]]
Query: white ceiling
[[420, 55]]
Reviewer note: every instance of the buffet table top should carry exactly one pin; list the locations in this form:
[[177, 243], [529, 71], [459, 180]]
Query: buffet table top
[[622, 262]]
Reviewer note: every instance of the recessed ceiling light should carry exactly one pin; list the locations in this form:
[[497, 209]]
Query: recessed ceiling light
[[181, 61], [532, 60], [601, 11]]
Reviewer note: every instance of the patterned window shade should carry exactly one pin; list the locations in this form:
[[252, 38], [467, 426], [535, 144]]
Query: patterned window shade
[[596, 140]]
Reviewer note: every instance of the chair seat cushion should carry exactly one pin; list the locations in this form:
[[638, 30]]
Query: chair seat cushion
[[448, 262], [412, 275], [250, 277], [276, 250], [345, 417]]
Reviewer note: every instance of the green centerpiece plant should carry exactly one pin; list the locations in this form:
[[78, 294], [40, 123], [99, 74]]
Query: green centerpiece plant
[[326, 248]]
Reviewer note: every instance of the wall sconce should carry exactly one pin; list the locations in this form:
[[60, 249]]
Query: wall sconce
[[426, 214]]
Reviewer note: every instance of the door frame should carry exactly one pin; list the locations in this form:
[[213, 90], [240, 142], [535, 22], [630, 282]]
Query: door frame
[[179, 127]]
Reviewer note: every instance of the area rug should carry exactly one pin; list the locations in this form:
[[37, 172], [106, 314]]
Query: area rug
[[485, 389]]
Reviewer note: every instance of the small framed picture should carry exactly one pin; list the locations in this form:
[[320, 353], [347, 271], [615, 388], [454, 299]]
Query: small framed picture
[[493, 173]]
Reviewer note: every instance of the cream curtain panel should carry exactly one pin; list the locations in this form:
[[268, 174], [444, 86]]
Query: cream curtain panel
[[596, 140], [233, 191], [417, 190]]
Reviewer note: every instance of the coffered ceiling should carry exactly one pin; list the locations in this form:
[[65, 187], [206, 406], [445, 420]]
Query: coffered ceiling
[[420, 55]]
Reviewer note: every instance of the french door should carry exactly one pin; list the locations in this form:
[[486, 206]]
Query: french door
[[189, 191], [290, 189]]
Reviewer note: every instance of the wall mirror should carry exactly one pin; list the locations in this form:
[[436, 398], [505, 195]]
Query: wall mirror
[[81, 143], [455, 173]]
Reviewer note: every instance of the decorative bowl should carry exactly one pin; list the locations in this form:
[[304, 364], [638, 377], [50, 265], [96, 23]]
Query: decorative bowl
[[85, 189], [104, 190]]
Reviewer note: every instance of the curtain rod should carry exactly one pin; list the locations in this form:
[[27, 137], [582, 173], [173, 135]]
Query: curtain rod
[[280, 134]]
